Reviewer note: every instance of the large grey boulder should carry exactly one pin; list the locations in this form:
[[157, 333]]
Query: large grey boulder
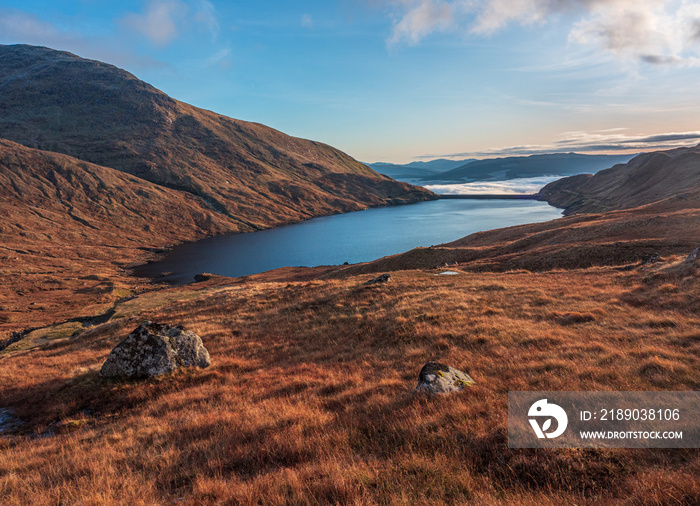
[[153, 349], [437, 378]]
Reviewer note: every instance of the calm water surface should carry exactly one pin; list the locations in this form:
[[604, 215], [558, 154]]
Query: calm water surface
[[353, 237]]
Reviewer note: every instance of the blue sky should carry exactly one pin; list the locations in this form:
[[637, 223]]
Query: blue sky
[[403, 80]]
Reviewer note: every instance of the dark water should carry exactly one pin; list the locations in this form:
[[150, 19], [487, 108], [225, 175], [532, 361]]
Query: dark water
[[354, 237]]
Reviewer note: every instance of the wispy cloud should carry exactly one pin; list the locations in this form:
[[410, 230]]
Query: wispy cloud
[[306, 21], [221, 59], [159, 22], [17, 25], [207, 17], [21, 27], [420, 18], [604, 141], [163, 21], [657, 32]]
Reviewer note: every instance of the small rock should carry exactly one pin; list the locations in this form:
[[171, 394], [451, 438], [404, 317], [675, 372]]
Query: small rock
[[14, 337], [153, 349], [204, 276], [8, 422], [384, 278], [693, 255], [651, 258], [437, 378]]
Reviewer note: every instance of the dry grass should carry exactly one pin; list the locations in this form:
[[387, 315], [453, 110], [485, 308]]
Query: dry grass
[[309, 399]]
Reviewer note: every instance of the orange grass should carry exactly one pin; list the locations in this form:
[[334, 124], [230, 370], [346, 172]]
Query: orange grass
[[309, 399]]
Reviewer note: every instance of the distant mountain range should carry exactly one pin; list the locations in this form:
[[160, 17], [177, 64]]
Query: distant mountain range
[[253, 175], [513, 167], [417, 170]]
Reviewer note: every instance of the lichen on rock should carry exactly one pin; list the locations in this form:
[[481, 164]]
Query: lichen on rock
[[153, 349], [436, 378]]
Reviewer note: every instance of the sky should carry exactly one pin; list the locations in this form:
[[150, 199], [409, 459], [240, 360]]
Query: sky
[[406, 80]]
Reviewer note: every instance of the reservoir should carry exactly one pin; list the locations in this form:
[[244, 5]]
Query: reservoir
[[361, 236]]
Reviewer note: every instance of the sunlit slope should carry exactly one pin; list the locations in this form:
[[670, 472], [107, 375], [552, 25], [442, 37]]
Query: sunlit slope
[[255, 175], [64, 219], [647, 178]]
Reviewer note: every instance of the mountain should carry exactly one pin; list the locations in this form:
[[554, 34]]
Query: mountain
[[647, 178], [57, 199], [256, 176], [530, 166], [418, 168], [69, 228], [403, 173]]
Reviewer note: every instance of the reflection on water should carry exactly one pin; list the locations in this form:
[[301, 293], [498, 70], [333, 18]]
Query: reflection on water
[[353, 237]]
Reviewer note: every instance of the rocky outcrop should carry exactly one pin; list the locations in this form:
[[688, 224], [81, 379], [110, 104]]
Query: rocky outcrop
[[14, 337], [384, 278], [153, 349], [435, 378]]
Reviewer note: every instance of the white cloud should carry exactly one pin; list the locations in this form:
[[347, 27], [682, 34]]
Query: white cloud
[[306, 21], [496, 14], [206, 17], [650, 31], [654, 31], [602, 141], [159, 22], [17, 27], [29, 29], [163, 21], [422, 17], [221, 59]]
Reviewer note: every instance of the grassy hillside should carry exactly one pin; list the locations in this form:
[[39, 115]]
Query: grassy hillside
[[257, 176], [668, 227], [70, 228], [309, 399], [310, 395], [645, 179]]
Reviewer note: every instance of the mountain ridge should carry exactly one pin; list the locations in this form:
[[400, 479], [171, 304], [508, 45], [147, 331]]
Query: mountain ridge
[[647, 178], [65, 219], [257, 176], [417, 170], [512, 167]]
